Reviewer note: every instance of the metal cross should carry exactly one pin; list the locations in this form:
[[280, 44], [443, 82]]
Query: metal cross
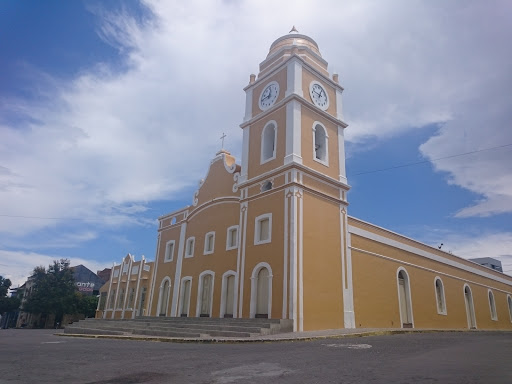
[[222, 138]]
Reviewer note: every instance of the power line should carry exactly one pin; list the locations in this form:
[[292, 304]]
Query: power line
[[430, 161]]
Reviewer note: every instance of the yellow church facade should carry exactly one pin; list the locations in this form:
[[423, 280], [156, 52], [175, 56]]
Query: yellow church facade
[[271, 236]]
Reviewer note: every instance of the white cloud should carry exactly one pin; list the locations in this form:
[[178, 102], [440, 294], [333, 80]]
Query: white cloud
[[103, 144]]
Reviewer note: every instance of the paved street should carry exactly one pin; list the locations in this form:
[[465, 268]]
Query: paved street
[[38, 356]]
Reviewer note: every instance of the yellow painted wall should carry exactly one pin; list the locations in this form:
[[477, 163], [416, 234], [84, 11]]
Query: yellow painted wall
[[307, 78], [323, 295]]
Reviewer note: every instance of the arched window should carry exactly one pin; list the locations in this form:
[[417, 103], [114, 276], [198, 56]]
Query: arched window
[[440, 298], [492, 306], [320, 143], [404, 299], [261, 291], [268, 142]]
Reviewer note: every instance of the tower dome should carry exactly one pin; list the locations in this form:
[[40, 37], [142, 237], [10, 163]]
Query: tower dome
[[291, 39]]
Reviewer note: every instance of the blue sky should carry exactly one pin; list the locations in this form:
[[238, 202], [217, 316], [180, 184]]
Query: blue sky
[[111, 111]]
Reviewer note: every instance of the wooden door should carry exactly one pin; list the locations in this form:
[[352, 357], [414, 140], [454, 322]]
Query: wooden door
[[185, 299], [230, 296], [206, 296]]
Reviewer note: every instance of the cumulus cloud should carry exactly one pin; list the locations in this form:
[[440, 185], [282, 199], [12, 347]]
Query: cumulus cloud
[[101, 145]]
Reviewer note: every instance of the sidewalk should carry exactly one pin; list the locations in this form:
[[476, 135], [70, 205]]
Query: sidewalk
[[282, 337]]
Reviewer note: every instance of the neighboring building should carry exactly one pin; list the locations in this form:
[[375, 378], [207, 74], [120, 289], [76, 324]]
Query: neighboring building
[[489, 262], [104, 274], [88, 282], [127, 290], [271, 237]]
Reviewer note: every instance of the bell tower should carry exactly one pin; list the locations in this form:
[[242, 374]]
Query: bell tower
[[293, 189]]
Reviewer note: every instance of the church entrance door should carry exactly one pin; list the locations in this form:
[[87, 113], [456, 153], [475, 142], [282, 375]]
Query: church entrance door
[[185, 299], [230, 295], [206, 296]]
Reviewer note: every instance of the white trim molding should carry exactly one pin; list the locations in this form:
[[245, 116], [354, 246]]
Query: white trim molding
[[294, 78], [325, 158], [229, 245], [177, 274], [254, 288], [405, 247], [190, 244], [169, 253], [293, 152], [257, 229], [341, 155], [209, 235], [200, 292]]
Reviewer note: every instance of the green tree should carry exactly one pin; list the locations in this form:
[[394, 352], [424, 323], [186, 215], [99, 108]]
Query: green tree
[[7, 304], [87, 305], [54, 291]]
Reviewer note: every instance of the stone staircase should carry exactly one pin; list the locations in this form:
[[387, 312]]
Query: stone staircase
[[181, 327]]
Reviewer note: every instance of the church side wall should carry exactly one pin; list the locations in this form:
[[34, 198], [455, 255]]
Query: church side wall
[[323, 296], [375, 268]]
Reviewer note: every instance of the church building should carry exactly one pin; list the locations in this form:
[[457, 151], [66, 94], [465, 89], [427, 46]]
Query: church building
[[271, 237]]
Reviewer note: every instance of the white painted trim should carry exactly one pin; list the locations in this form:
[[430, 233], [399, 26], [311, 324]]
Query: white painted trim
[[311, 85], [216, 201], [104, 315], [167, 258], [205, 251], [228, 237], [190, 249], [492, 305], [241, 273], [248, 104], [182, 292], [272, 83], [293, 151], [177, 273], [339, 104], [257, 229], [245, 155], [326, 161], [408, 294], [285, 314], [294, 78], [200, 292], [254, 288], [264, 159], [159, 306], [472, 305], [224, 291], [153, 278], [427, 269], [293, 254], [300, 233], [444, 310], [346, 271], [128, 274], [141, 268], [393, 243], [341, 155]]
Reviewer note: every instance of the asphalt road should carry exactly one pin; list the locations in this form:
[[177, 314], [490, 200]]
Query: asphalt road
[[38, 356]]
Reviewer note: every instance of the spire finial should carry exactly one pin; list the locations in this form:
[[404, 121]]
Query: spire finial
[[294, 30]]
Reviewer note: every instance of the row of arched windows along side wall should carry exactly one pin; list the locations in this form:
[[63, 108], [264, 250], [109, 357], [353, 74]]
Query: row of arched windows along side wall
[[405, 301], [269, 141], [261, 294]]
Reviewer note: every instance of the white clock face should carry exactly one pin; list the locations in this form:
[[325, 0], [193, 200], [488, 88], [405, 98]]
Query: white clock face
[[319, 95], [269, 95]]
